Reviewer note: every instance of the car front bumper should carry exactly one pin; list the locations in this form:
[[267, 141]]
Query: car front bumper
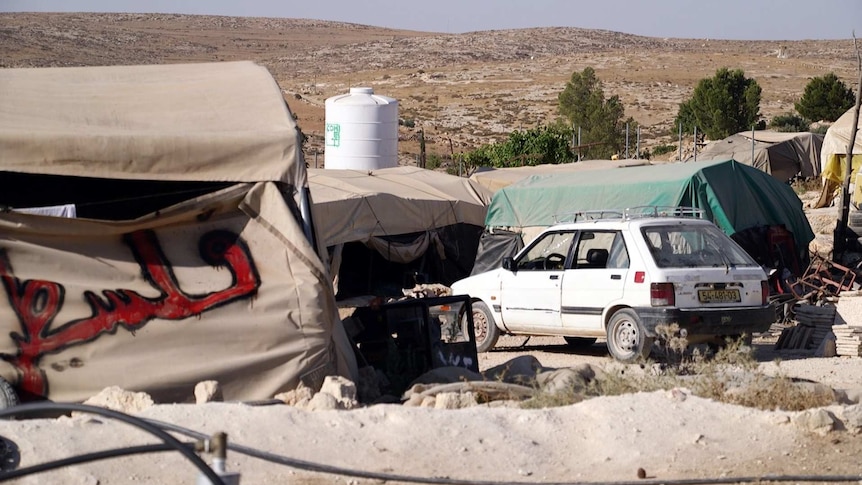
[[711, 322]]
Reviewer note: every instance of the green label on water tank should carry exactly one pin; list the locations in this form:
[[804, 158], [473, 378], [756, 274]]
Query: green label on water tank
[[333, 134]]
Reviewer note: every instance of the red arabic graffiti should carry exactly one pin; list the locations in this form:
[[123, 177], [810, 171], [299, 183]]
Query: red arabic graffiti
[[37, 303]]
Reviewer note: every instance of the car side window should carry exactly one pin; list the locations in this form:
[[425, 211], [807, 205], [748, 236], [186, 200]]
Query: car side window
[[601, 249], [619, 255], [547, 253]]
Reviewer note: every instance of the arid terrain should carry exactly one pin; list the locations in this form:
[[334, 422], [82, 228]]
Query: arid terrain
[[462, 89]]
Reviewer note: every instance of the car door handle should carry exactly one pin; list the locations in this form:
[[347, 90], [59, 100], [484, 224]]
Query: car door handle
[[616, 277], [554, 277]]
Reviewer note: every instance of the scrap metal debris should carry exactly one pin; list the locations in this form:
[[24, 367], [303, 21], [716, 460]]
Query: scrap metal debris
[[806, 308]]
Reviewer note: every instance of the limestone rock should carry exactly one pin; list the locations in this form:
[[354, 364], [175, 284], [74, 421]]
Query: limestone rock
[[819, 421], [853, 418], [121, 400], [454, 400], [322, 401], [298, 397], [208, 391], [342, 389]]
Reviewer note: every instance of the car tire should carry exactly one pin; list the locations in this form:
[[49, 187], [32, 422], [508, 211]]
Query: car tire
[[580, 342], [854, 220], [627, 340], [8, 396], [484, 328]]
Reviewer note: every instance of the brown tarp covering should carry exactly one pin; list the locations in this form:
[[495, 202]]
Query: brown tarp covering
[[356, 205], [202, 122], [224, 286], [783, 155]]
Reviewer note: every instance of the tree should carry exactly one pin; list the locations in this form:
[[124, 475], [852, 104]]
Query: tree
[[583, 104], [825, 98], [722, 105]]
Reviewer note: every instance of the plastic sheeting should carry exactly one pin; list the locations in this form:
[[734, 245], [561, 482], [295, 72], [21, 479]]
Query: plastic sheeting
[[733, 195]]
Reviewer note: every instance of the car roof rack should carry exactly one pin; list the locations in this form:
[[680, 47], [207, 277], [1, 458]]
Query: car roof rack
[[591, 215], [638, 212], [663, 211]]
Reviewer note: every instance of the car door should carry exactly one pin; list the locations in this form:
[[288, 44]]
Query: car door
[[595, 278], [530, 291]]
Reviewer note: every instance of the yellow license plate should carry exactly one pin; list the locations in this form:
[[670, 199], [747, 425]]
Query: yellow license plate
[[718, 296]]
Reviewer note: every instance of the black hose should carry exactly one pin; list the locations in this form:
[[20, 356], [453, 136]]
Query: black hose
[[333, 470], [41, 407], [85, 458], [158, 429]]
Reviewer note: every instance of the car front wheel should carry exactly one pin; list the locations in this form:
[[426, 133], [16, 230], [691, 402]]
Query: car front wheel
[[484, 328], [627, 340]]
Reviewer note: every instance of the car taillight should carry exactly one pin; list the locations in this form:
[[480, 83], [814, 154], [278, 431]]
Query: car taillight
[[764, 290], [661, 294]]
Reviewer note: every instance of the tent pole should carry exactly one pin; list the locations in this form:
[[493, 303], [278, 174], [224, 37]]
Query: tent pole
[[840, 238], [579, 143], [752, 145], [627, 141], [695, 143]]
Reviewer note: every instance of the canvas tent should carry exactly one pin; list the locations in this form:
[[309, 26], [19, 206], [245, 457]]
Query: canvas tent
[[733, 195], [835, 144], [385, 224], [187, 260], [495, 179], [783, 155]]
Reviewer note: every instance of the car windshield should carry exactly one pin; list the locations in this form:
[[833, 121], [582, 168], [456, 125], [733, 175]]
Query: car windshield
[[694, 246]]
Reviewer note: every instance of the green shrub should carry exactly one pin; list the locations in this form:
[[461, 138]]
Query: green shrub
[[662, 149], [789, 123], [433, 161]]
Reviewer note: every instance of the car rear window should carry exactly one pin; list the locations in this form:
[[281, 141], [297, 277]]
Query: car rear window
[[694, 246]]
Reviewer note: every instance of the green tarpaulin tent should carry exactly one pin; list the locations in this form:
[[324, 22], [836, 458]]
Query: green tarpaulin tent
[[733, 195]]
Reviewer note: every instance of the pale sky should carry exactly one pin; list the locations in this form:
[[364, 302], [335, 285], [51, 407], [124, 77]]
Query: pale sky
[[713, 19]]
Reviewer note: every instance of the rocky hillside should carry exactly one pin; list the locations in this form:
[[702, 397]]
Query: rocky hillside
[[463, 89]]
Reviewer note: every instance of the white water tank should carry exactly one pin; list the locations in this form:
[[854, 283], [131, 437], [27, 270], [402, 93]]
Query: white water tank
[[361, 131]]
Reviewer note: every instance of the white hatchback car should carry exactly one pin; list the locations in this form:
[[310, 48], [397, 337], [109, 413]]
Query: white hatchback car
[[620, 277]]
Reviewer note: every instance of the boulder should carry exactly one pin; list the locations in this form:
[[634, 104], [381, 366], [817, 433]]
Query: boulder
[[118, 399], [208, 391], [819, 421]]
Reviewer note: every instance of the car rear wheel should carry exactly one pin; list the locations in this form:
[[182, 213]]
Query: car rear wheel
[[579, 342], [627, 340], [484, 328], [8, 396]]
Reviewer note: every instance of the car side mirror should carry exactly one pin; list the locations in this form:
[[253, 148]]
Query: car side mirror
[[508, 264]]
